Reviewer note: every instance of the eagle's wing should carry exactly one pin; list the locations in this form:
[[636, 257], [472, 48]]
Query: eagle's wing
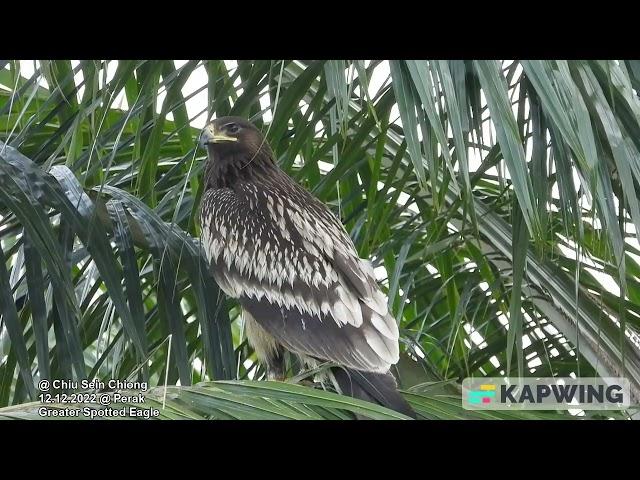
[[293, 267]]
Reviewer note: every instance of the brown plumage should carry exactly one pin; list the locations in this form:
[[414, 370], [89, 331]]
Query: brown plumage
[[293, 267]]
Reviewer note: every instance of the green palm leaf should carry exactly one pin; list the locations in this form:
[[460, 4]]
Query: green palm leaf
[[497, 201]]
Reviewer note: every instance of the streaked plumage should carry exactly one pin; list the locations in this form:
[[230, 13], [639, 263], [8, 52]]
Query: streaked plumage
[[293, 268]]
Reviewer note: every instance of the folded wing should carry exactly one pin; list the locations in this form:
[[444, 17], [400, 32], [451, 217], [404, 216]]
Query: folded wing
[[292, 266]]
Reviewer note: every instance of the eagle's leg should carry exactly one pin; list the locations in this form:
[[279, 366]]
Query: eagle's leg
[[275, 366], [269, 352]]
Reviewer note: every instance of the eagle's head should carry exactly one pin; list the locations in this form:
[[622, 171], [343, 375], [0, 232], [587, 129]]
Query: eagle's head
[[236, 150]]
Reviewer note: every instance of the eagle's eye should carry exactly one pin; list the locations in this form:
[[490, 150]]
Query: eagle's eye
[[232, 127]]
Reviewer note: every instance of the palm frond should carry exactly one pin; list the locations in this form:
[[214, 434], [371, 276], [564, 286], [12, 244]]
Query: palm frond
[[497, 200]]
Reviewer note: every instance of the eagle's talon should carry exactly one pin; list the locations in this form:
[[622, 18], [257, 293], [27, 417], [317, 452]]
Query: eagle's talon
[[307, 383]]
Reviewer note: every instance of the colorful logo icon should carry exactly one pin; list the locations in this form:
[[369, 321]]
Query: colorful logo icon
[[484, 395]]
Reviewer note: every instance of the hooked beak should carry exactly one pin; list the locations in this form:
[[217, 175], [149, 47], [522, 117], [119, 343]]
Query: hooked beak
[[210, 136]]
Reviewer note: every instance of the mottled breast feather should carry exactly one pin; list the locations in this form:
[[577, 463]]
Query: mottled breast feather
[[290, 262]]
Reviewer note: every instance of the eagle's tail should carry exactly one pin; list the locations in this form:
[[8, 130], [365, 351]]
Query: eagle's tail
[[380, 388]]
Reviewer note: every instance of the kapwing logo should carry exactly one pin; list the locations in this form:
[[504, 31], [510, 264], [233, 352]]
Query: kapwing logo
[[486, 392], [514, 393]]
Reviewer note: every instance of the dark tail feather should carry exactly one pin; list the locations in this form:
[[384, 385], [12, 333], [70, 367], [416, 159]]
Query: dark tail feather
[[380, 388]]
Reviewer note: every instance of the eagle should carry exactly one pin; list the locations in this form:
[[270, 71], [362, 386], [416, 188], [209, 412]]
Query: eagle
[[293, 268]]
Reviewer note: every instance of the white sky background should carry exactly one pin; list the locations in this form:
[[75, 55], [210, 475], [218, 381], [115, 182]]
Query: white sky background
[[379, 78]]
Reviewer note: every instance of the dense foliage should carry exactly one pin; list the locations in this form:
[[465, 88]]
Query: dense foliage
[[497, 200]]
